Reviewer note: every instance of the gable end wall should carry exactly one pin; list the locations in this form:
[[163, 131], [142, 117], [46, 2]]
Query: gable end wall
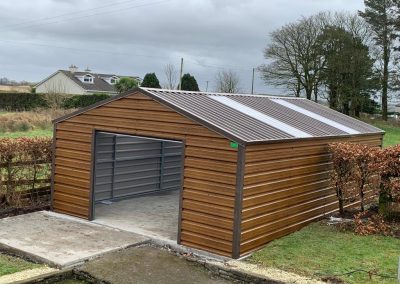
[[209, 166]]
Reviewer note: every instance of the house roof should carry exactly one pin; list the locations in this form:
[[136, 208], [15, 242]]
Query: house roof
[[255, 118], [98, 85]]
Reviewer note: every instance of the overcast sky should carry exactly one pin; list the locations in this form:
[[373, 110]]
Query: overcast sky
[[139, 36]]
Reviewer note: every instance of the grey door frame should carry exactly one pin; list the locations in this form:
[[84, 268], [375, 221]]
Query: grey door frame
[[92, 173]]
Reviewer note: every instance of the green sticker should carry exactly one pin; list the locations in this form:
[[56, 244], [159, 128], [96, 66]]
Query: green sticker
[[234, 145]]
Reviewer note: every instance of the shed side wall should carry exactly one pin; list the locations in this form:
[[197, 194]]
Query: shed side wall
[[209, 174], [286, 186]]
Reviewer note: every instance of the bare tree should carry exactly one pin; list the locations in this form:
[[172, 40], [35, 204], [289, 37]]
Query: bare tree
[[227, 82], [294, 56], [171, 75], [55, 93]]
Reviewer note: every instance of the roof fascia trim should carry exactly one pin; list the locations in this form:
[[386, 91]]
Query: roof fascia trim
[[93, 106]]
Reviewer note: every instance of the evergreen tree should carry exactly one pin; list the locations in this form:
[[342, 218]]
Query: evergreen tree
[[379, 14], [189, 83], [150, 80], [348, 72]]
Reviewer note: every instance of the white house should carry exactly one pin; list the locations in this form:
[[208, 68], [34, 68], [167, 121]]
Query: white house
[[397, 108], [76, 82]]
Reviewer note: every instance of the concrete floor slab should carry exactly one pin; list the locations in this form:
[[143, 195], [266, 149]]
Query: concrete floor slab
[[147, 265], [59, 240], [153, 215]]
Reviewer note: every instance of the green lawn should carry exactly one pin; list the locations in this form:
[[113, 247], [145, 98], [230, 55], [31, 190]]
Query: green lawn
[[392, 136], [32, 133], [322, 250], [9, 265]]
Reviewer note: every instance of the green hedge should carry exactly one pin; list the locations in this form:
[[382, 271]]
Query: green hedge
[[21, 101], [80, 101]]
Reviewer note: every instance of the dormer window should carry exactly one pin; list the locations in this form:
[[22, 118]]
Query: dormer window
[[113, 80], [88, 79]]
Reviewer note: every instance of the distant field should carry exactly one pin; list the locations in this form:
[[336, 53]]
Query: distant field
[[15, 89], [28, 123]]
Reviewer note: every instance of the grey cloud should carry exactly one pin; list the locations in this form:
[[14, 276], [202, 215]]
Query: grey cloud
[[144, 39]]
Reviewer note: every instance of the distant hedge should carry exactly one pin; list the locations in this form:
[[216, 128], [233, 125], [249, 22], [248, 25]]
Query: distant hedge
[[80, 101], [21, 101]]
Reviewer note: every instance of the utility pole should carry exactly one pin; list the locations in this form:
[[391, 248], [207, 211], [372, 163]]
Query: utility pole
[[207, 87], [252, 83], [180, 75]]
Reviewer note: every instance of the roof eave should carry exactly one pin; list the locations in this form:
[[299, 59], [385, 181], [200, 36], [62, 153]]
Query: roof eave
[[294, 139]]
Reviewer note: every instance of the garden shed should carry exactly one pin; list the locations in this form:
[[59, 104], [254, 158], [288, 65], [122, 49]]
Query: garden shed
[[248, 168]]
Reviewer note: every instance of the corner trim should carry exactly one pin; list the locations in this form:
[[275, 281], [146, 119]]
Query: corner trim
[[178, 237], [237, 221], [53, 167], [91, 184]]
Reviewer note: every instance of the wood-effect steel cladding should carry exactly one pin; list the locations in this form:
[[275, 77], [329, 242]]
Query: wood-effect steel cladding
[[286, 186], [245, 182], [209, 166]]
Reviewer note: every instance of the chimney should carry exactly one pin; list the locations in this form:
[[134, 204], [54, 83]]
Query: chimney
[[73, 68]]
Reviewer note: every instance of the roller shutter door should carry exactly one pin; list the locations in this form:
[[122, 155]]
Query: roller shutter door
[[126, 166]]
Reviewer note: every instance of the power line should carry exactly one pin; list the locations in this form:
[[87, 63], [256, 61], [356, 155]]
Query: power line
[[26, 43], [66, 14], [95, 14], [80, 49]]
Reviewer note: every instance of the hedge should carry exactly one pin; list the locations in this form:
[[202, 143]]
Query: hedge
[[358, 169], [80, 101], [21, 101]]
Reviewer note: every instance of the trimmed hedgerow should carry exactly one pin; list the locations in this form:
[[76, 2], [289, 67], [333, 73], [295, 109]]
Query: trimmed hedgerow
[[80, 101], [359, 168], [22, 101]]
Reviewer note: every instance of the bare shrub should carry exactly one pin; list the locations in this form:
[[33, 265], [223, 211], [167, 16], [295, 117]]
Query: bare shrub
[[24, 167]]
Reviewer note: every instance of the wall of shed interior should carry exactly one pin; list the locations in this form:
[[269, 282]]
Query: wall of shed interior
[[209, 170], [286, 186]]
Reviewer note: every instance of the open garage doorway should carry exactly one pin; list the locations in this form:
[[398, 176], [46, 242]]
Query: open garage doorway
[[137, 183]]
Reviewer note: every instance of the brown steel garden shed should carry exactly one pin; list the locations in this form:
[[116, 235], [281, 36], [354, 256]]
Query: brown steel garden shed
[[249, 168]]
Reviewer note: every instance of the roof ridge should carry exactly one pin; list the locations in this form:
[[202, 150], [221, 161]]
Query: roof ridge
[[221, 94]]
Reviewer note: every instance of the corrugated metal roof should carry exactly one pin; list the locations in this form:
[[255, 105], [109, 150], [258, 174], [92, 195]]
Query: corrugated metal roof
[[255, 118]]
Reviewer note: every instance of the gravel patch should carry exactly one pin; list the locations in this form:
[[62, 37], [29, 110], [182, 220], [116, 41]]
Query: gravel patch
[[266, 272]]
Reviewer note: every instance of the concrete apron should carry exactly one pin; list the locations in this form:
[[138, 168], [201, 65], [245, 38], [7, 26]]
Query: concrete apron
[[61, 241]]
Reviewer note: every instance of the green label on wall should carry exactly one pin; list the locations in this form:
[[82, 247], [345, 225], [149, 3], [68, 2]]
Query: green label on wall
[[234, 145]]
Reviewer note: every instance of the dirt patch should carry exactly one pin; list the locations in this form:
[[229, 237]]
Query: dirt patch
[[9, 212]]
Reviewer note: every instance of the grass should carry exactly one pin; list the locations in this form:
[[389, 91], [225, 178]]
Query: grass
[[31, 133], [9, 264], [321, 250], [392, 136]]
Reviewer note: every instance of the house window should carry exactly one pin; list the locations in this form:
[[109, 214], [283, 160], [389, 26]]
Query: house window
[[88, 79]]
